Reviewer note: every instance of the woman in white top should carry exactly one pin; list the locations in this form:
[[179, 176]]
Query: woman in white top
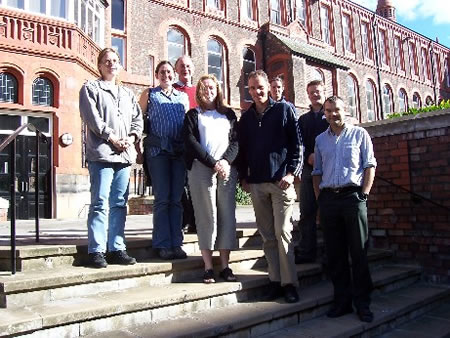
[[210, 136]]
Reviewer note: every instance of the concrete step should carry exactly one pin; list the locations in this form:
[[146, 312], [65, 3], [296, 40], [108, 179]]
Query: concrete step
[[248, 319], [148, 304], [34, 287], [62, 252], [435, 323], [390, 310]]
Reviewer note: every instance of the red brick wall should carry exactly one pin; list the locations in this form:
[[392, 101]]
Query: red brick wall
[[413, 153]]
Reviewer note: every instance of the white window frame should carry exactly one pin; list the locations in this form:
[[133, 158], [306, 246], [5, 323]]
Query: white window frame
[[169, 43], [325, 24], [275, 11], [347, 32], [300, 11], [383, 50], [248, 62], [223, 58], [402, 101], [352, 100], [397, 55], [371, 96], [387, 94], [365, 40], [412, 59]]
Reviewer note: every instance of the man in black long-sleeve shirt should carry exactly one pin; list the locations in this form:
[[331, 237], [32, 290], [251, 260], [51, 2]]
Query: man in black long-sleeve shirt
[[311, 124]]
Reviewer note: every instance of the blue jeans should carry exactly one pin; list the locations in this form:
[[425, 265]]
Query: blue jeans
[[168, 174], [109, 192]]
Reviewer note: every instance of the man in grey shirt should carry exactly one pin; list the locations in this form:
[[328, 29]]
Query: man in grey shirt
[[344, 170]]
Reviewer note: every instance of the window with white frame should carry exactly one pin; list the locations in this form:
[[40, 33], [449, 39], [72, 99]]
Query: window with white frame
[[176, 44], [300, 11], [89, 16], [118, 29], [247, 10], [316, 74], [249, 65], [8, 88], [416, 101], [371, 103], [42, 92], [213, 4], [325, 24], [429, 101], [54, 8], [412, 58], [216, 61], [275, 11], [352, 98], [387, 101], [397, 54], [346, 29], [383, 50], [402, 101], [365, 40], [425, 70]]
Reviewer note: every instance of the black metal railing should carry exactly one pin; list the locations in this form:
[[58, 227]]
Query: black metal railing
[[12, 140], [415, 196]]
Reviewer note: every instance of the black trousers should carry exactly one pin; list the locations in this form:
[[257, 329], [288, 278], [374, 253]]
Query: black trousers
[[343, 217], [308, 212]]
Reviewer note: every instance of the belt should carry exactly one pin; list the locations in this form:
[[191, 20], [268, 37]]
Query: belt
[[340, 190]]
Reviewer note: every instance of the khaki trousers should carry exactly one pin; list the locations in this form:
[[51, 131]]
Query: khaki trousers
[[273, 210]]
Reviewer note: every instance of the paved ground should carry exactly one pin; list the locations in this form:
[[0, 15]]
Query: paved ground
[[76, 228]]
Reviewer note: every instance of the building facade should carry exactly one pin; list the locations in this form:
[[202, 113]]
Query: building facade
[[48, 49]]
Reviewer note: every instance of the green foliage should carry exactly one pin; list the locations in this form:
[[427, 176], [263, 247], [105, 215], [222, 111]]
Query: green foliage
[[242, 198], [414, 111]]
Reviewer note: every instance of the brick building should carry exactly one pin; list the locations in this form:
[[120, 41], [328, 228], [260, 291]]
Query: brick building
[[48, 49]]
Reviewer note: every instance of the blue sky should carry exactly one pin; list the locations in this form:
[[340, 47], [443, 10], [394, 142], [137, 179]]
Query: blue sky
[[427, 17]]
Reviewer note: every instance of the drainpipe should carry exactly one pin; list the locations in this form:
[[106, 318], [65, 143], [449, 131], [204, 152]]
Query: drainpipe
[[433, 74], [377, 63]]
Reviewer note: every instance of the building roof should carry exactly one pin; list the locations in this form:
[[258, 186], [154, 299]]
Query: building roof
[[312, 53]]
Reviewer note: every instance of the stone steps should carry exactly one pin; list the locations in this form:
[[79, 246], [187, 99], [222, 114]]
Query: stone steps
[[435, 323], [251, 319], [56, 253], [147, 304]]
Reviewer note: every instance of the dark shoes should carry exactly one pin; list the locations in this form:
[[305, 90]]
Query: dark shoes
[[120, 257], [208, 277], [275, 291], [97, 260], [179, 253], [290, 294], [339, 310], [227, 275], [365, 315], [166, 254]]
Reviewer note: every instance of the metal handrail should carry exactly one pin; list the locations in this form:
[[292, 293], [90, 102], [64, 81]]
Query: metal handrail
[[12, 139], [412, 193]]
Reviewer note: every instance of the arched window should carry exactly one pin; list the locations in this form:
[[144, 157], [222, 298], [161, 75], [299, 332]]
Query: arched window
[[216, 61], [429, 101], [316, 74], [416, 101], [8, 88], [42, 91], [387, 101], [249, 65], [371, 103], [352, 95], [402, 101], [176, 44]]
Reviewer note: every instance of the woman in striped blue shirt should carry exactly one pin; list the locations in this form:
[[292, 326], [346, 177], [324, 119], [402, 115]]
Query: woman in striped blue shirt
[[166, 107]]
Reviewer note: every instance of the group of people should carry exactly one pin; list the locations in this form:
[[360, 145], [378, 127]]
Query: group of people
[[193, 136]]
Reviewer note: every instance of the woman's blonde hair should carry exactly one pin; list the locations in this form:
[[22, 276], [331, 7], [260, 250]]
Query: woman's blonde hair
[[100, 57], [218, 102]]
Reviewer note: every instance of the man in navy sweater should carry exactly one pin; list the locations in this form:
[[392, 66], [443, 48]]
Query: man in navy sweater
[[271, 155]]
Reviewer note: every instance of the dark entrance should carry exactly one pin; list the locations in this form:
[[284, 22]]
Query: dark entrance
[[25, 166]]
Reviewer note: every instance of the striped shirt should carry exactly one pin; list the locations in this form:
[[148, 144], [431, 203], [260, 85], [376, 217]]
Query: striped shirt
[[165, 118]]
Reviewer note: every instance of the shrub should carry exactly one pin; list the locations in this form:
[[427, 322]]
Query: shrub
[[414, 111], [242, 197]]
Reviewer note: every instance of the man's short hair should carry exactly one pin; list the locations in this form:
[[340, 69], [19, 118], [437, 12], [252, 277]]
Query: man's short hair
[[277, 78], [314, 83], [257, 73], [183, 57], [333, 99]]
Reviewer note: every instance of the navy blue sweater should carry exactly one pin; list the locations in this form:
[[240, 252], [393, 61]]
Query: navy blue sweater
[[270, 144]]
